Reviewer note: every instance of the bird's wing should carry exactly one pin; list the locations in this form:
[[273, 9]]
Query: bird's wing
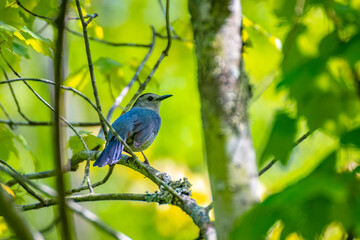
[[146, 127]]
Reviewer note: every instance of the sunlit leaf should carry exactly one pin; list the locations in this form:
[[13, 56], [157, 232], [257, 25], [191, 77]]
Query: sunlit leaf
[[7, 189], [38, 43], [3, 226]]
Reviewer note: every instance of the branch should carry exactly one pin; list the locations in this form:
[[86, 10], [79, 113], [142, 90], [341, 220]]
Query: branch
[[95, 220], [91, 67], [114, 44], [273, 161], [66, 231], [91, 198], [34, 14], [104, 180], [157, 64], [48, 202], [10, 122], [12, 172], [126, 89], [51, 20], [13, 94], [44, 123]]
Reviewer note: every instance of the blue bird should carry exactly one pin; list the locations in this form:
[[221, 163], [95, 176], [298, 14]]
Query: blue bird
[[138, 128]]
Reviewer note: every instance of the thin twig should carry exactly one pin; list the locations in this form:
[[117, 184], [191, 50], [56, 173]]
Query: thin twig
[[10, 122], [174, 38], [91, 66], [34, 14], [91, 198], [20, 178], [13, 174], [44, 123], [96, 221], [51, 20], [164, 12], [126, 89], [94, 15], [99, 183], [83, 212], [273, 161], [94, 87], [157, 64], [114, 44], [35, 175], [13, 94]]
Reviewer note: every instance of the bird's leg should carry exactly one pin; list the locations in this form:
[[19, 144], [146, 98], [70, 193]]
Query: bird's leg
[[146, 160]]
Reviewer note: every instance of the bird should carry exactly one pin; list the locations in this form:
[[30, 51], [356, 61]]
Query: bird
[[138, 128]]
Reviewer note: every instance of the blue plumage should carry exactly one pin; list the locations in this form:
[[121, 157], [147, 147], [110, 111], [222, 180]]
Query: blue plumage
[[138, 128]]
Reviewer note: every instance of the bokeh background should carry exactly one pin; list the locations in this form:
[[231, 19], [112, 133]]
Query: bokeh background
[[298, 94]]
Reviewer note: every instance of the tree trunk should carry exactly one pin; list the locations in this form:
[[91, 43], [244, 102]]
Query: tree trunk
[[224, 92]]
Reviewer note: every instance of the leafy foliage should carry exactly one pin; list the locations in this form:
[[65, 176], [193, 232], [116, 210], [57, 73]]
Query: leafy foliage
[[308, 206], [93, 142]]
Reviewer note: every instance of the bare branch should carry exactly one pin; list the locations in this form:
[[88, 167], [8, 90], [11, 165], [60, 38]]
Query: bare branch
[[273, 161], [34, 14], [104, 180], [14, 175], [157, 64], [13, 95], [95, 220], [114, 44], [126, 89], [10, 122], [91, 67], [44, 123]]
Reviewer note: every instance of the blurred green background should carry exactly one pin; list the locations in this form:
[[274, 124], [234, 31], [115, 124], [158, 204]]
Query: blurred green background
[[303, 61]]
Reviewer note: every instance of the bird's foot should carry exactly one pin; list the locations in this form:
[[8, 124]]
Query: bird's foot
[[146, 161]]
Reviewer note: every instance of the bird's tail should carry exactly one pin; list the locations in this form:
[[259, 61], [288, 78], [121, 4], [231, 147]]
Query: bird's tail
[[111, 153]]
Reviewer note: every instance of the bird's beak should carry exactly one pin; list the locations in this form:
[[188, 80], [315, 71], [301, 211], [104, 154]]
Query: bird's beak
[[163, 97]]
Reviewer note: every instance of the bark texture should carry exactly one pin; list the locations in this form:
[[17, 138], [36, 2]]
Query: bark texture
[[224, 92]]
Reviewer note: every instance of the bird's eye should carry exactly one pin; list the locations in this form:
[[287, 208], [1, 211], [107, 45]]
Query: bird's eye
[[150, 98]]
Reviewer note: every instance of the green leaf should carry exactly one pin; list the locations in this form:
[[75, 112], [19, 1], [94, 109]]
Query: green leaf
[[21, 50], [10, 14], [37, 42], [7, 142], [308, 206], [12, 58], [327, 101], [281, 140], [92, 141]]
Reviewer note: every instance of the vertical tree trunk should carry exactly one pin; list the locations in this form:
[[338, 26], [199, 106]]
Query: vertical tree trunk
[[224, 95]]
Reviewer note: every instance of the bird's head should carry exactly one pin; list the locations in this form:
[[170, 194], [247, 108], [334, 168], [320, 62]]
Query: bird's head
[[150, 100]]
